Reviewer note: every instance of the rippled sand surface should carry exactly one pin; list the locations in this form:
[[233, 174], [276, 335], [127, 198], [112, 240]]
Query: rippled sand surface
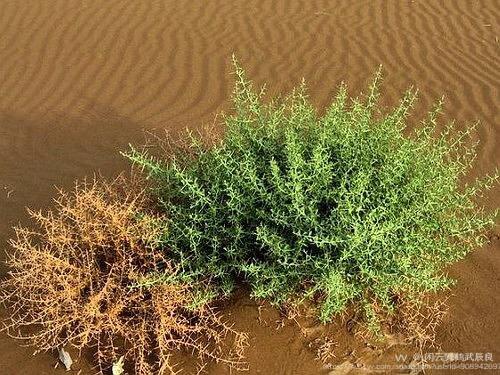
[[79, 80]]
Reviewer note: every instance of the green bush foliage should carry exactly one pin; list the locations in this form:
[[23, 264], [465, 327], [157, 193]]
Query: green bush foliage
[[340, 207]]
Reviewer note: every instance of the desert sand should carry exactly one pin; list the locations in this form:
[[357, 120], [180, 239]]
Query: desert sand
[[80, 79]]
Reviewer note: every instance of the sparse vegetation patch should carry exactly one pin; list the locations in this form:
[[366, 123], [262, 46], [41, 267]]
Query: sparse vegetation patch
[[83, 278], [322, 210]]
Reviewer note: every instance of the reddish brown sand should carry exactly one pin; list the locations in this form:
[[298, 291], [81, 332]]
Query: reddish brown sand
[[79, 79]]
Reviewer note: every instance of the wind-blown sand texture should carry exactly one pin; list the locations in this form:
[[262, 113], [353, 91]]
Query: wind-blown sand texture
[[79, 79]]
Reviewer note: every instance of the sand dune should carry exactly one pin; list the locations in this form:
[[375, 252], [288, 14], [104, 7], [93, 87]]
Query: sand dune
[[79, 79]]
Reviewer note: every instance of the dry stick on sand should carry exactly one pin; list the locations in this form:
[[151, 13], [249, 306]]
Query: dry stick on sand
[[81, 280]]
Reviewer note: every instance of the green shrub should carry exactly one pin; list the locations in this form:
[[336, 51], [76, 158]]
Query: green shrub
[[336, 208]]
